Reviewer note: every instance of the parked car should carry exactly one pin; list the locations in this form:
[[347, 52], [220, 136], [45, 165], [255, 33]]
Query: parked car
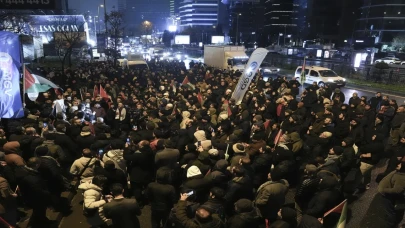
[[389, 60], [267, 68], [321, 76]]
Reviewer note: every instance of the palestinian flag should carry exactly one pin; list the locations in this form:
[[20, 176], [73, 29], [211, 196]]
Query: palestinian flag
[[35, 84], [342, 210], [188, 83]]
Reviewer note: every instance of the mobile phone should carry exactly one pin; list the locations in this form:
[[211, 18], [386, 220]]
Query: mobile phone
[[100, 151], [135, 127], [128, 140], [212, 129], [45, 125], [190, 193]]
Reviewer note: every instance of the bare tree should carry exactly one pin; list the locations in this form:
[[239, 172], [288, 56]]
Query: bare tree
[[12, 22], [399, 42], [68, 38], [115, 31]]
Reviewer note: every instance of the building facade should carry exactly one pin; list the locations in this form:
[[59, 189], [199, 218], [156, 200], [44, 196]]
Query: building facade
[[201, 13], [382, 19], [245, 21], [281, 20]]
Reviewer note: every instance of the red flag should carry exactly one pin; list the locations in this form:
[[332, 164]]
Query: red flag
[[266, 124], [95, 91], [229, 111], [200, 98], [185, 81], [123, 95], [278, 136], [337, 209], [57, 91], [103, 94]]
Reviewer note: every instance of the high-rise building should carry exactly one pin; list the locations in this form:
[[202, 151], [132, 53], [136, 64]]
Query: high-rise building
[[245, 20], [383, 19], [199, 13], [155, 11], [281, 19], [122, 5]]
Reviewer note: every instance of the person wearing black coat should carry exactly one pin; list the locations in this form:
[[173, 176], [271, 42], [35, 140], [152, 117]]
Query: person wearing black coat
[[356, 132], [51, 172], [348, 158], [162, 196], [216, 204], [246, 215], [238, 188], [140, 167], [325, 199], [114, 176], [197, 183], [307, 187], [65, 141], [370, 156], [34, 191], [261, 164], [85, 139], [342, 127]]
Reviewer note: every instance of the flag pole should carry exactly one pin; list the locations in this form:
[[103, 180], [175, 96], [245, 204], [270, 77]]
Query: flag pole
[[24, 84]]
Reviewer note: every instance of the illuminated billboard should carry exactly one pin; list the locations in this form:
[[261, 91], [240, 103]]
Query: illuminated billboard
[[217, 39], [182, 39], [27, 4]]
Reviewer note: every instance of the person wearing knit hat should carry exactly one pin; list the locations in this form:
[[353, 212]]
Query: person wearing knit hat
[[200, 135], [193, 171]]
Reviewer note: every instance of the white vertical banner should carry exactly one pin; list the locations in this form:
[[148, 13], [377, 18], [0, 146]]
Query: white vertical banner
[[251, 67]]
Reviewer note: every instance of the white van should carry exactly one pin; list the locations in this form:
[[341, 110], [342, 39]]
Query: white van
[[133, 64], [321, 76]]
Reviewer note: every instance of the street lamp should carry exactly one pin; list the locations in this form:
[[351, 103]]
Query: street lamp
[[98, 14], [237, 28]]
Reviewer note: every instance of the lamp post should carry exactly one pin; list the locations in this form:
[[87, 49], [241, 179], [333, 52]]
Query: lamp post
[[98, 15], [237, 28]]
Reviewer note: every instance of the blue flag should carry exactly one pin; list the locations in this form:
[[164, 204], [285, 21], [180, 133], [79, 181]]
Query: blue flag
[[10, 62]]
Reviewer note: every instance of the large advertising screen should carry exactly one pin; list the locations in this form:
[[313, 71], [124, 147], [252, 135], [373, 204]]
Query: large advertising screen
[[182, 39], [27, 4], [46, 25], [217, 39]]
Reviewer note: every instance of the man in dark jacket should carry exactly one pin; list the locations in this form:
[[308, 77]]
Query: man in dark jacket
[[215, 204], [325, 199], [307, 186], [270, 196], [239, 187], [123, 212], [246, 215], [34, 191], [162, 196], [198, 183], [85, 139], [140, 168], [203, 218], [167, 157], [51, 172]]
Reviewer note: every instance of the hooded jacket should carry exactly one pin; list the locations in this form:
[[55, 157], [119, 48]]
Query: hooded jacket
[[117, 156], [247, 215], [161, 194], [270, 197], [186, 117]]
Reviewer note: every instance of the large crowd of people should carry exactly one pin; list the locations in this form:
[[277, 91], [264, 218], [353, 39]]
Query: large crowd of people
[[141, 137]]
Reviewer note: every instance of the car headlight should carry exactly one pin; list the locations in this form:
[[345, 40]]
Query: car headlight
[[178, 56], [344, 79], [278, 69], [330, 80]]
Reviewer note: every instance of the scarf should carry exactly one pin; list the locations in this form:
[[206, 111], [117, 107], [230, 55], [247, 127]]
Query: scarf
[[120, 114]]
